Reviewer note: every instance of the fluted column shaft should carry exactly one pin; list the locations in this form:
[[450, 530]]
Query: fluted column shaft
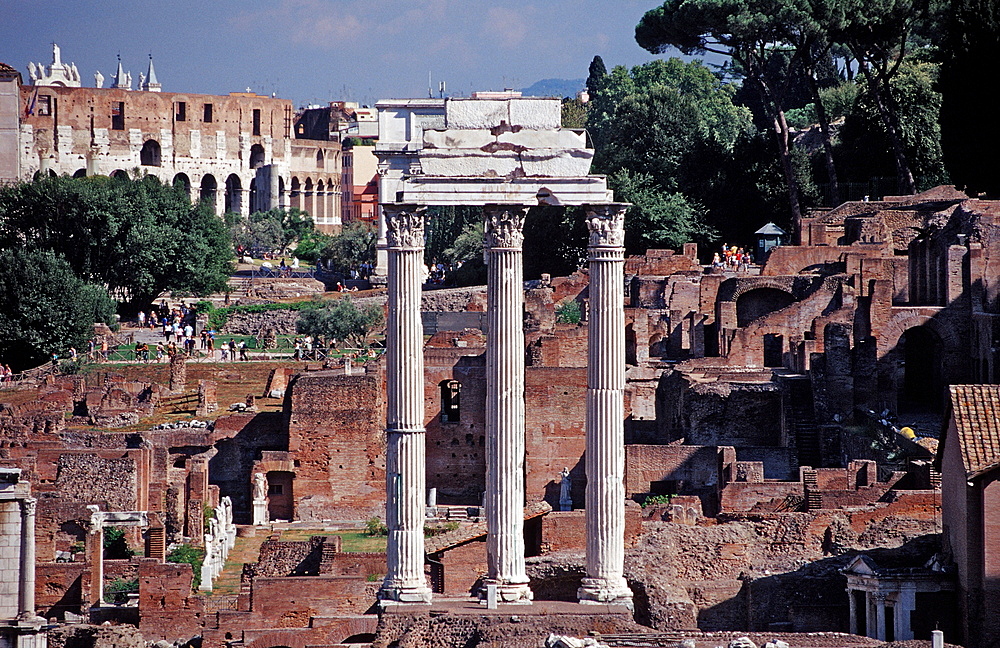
[[605, 457], [405, 435], [26, 587], [505, 403]]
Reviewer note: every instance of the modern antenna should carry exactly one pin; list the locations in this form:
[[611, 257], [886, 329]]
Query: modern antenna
[[441, 89], [430, 93]]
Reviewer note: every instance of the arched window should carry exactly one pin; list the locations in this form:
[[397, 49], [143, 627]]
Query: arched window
[[183, 182], [256, 156], [208, 188], [319, 159], [234, 193], [150, 153]]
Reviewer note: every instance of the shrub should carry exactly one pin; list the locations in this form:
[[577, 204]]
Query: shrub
[[376, 527], [568, 312], [117, 591], [115, 545], [656, 500], [190, 555]]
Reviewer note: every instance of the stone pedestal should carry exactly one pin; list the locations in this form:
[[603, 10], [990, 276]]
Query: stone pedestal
[[260, 512], [605, 456], [505, 404], [405, 443]]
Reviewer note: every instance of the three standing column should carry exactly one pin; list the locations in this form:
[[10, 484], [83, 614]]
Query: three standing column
[[605, 426], [405, 434], [505, 403]]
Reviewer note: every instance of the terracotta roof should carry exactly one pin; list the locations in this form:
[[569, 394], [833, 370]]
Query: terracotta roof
[[976, 410], [468, 532], [7, 71]]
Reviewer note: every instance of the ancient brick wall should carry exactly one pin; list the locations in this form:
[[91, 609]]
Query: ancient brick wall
[[91, 478], [336, 434], [292, 602], [690, 467], [456, 460], [555, 409], [167, 608]]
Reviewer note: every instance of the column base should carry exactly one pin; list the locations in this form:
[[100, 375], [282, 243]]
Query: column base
[[508, 593], [378, 280], [399, 594], [604, 591]]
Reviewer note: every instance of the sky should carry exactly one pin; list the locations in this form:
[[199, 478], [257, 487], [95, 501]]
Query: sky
[[315, 51]]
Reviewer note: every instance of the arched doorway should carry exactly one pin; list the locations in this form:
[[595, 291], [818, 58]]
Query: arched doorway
[[80, 173], [182, 182], [209, 186], [234, 193], [256, 156], [118, 174], [150, 153], [922, 383]]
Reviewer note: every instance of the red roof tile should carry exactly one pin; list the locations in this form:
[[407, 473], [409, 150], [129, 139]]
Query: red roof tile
[[976, 410]]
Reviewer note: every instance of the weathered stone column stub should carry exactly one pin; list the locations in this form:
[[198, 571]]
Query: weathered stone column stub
[[26, 590], [405, 435], [605, 427], [505, 404]]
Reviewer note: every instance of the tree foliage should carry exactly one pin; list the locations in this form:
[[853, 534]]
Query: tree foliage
[[45, 308], [341, 319], [135, 237], [353, 246]]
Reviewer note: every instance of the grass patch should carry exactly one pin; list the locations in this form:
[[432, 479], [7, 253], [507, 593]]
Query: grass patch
[[352, 540]]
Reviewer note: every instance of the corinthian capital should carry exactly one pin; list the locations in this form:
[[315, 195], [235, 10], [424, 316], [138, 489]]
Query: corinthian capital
[[404, 226], [504, 225], [606, 224]]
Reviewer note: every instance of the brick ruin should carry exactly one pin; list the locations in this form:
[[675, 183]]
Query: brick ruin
[[753, 402]]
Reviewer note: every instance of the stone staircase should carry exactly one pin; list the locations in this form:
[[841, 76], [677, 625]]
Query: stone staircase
[[246, 550]]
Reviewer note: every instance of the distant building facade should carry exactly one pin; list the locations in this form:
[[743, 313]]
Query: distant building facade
[[237, 151]]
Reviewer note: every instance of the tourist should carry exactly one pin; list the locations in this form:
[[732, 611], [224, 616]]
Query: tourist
[[243, 351]]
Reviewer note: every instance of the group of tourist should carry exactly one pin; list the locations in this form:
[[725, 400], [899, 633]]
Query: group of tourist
[[732, 258], [6, 375]]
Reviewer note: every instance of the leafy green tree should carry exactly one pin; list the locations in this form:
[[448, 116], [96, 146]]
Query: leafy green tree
[[657, 219], [555, 241], [135, 237], [867, 149], [466, 254], [597, 76], [879, 35], [279, 228], [45, 308], [746, 32], [574, 113], [353, 246], [341, 319], [257, 234]]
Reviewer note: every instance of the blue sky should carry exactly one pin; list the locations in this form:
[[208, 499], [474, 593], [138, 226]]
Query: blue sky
[[313, 51]]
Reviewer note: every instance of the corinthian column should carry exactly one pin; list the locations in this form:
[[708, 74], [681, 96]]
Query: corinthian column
[[605, 410], [404, 460], [26, 586], [505, 403]]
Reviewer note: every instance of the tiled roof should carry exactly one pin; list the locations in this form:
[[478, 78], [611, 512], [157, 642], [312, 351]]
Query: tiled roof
[[6, 70], [976, 410], [468, 532]]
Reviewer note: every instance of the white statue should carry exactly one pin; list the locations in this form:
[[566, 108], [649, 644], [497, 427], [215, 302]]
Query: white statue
[[32, 71], [259, 486], [98, 79], [142, 80], [565, 491]]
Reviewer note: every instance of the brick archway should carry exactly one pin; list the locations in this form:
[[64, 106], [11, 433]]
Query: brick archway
[[902, 322]]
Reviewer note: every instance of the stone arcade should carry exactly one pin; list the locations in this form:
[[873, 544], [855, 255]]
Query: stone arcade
[[505, 154]]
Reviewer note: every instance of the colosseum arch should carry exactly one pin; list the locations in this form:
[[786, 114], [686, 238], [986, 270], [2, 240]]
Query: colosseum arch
[[256, 156], [295, 197], [234, 193], [320, 202], [150, 153], [209, 187]]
